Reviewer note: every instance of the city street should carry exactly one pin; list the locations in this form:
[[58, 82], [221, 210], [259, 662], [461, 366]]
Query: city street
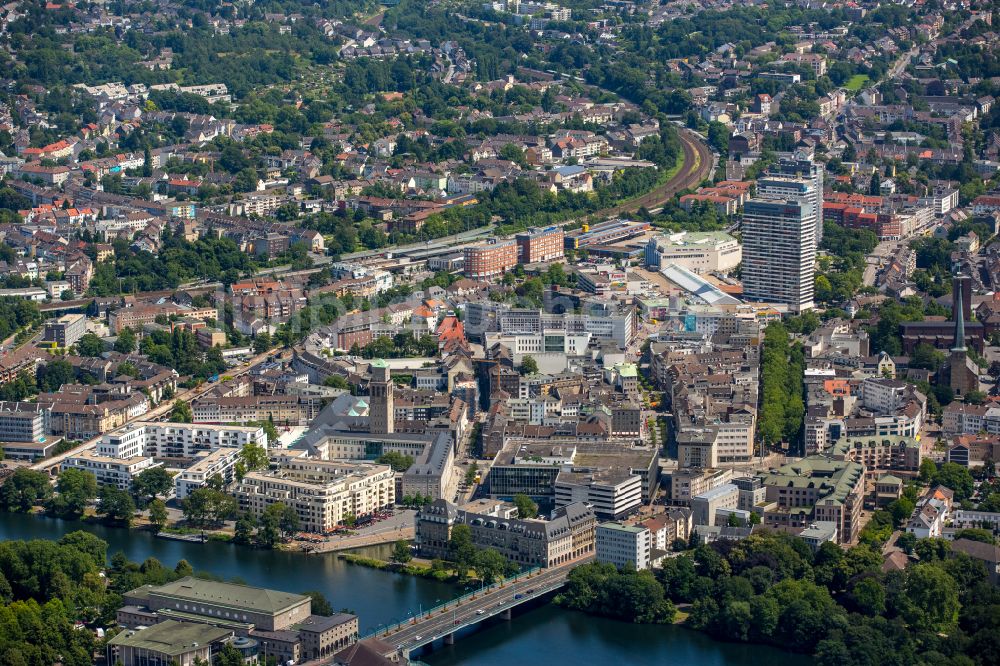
[[874, 262]]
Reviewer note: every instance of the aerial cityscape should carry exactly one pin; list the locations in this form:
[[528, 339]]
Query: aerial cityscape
[[443, 332]]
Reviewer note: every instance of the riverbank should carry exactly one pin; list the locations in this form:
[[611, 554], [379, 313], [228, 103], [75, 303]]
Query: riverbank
[[335, 544], [141, 523], [409, 569], [546, 633]]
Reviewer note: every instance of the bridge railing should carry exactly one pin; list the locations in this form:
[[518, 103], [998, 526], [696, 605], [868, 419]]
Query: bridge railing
[[381, 629]]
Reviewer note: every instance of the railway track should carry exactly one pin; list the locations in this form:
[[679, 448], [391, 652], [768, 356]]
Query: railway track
[[697, 166]]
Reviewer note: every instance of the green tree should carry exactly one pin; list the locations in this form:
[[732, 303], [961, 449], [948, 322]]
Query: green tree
[[933, 598], [629, 595], [958, 478], [262, 342], [76, 488], [151, 482], [253, 457], [526, 507], [975, 397], [115, 504], [529, 366], [54, 374], [243, 532], [927, 357], [25, 489], [278, 521], [320, 604], [461, 550], [906, 541], [125, 342], [401, 552], [868, 595], [157, 514], [901, 510], [181, 412], [932, 550], [975, 534], [204, 506], [490, 565], [927, 470], [269, 526], [89, 345], [288, 519], [400, 462], [336, 381], [228, 656]]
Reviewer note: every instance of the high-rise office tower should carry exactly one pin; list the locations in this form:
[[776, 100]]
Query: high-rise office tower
[[779, 243], [381, 410], [800, 165]]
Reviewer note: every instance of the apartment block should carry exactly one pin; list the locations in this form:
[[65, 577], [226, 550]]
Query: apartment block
[[491, 259], [178, 440], [22, 421], [535, 245], [625, 546], [220, 462], [323, 493], [779, 243], [66, 330], [280, 409], [109, 471]]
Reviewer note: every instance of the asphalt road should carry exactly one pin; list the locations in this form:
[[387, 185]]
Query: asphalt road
[[497, 600]]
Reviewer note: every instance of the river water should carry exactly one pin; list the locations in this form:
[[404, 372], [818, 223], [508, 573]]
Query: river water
[[546, 635]]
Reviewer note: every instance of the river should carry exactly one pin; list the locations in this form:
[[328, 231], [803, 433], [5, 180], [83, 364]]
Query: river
[[545, 635]]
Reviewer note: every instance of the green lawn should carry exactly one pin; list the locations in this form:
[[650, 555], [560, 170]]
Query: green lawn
[[856, 82]]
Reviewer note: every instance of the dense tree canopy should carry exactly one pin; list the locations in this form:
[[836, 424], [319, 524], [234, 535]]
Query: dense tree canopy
[[836, 605]]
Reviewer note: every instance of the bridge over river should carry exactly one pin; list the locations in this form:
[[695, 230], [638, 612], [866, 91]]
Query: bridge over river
[[443, 621]]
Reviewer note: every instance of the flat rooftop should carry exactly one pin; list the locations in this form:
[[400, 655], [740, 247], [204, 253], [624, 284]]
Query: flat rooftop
[[228, 594], [170, 637]]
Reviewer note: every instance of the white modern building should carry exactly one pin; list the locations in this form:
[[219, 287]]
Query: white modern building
[[208, 464], [699, 252], [624, 545], [883, 395], [799, 166], [177, 440], [108, 470], [66, 330], [323, 493], [612, 493], [705, 506], [23, 421], [543, 342], [779, 243]]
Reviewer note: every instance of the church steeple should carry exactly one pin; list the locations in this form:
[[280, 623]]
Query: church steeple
[[959, 344]]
